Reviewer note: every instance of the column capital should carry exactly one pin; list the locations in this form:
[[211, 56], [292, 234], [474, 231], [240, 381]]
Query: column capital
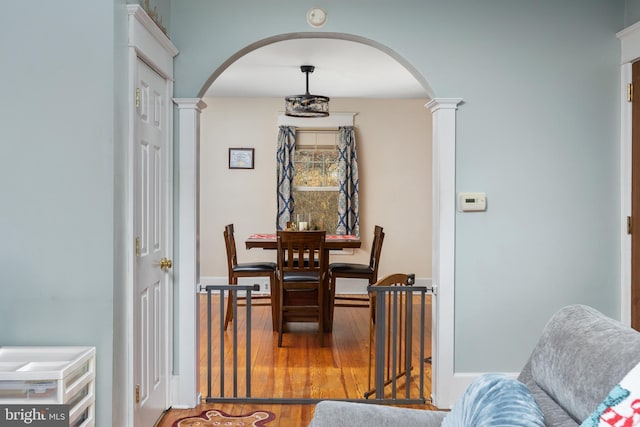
[[443, 103], [190, 103]]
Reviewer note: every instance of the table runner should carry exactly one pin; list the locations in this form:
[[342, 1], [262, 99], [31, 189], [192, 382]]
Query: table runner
[[271, 236]]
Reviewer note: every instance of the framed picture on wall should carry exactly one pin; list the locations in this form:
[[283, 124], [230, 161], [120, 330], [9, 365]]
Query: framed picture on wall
[[241, 158]]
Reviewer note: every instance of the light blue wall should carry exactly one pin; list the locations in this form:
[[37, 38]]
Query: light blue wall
[[632, 12], [538, 132], [57, 178]]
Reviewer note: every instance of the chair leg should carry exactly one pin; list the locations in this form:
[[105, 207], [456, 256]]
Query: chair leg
[[321, 315], [332, 300], [274, 301], [280, 326], [280, 314]]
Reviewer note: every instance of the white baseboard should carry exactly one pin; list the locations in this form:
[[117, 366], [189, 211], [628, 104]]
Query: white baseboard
[[175, 393]]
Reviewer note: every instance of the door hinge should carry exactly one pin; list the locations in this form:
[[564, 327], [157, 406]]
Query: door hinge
[[137, 246], [630, 92], [629, 225], [137, 393], [137, 97]]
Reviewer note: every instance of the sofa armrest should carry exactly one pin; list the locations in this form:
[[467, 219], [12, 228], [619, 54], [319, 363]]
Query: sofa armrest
[[349, 414], [581, 355]]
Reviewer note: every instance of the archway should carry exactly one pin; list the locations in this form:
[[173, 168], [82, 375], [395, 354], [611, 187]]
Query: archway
[[336, 36], [444, 388]]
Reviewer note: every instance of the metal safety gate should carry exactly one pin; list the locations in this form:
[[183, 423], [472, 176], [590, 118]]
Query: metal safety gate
[[390, 364]]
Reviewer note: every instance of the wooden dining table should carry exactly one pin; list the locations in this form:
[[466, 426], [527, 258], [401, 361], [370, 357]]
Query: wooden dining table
[[331, 243]]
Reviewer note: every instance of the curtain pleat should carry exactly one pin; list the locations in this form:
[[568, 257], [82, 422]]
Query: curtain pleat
[[284, 159], [348, 215]]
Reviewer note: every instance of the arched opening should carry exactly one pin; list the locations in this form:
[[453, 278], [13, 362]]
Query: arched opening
[[328, 36], [442, 206]]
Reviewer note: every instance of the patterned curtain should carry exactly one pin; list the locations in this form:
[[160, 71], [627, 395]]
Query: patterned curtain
[[348, 216], [284, 159]]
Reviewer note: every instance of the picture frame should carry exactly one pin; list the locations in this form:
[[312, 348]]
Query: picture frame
[[241, 158]]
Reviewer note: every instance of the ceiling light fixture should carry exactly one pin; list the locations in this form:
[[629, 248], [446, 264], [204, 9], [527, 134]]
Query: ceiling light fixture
[[306, 105]]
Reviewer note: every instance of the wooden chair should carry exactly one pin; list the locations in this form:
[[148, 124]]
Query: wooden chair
[[401, 337], [249, 269], [356, 271], [301, 275]]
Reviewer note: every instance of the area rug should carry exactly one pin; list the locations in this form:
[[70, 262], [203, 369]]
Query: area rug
[[213, 417]]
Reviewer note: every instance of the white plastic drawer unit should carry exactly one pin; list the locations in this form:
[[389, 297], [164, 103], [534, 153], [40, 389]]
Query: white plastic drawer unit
[[51, 375]]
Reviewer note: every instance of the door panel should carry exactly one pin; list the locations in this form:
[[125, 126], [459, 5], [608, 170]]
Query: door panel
[[152, 283]]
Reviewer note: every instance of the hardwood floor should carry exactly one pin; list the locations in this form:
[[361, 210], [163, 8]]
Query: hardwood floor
[[300, 369]]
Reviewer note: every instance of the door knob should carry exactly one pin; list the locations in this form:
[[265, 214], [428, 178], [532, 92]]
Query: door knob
[[165, 263]]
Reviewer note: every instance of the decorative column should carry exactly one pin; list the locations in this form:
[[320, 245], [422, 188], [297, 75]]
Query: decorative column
[[188, 256], [444, 389]]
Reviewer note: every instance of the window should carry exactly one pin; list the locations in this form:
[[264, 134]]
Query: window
[[315, 183], [327, 182]]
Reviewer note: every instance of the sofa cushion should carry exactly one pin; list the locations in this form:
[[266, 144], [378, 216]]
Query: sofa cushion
[[495, 400], [349, 414], [580, 356], [621, 407]]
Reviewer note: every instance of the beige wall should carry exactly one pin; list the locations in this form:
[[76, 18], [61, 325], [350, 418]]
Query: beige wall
[[394, 151]]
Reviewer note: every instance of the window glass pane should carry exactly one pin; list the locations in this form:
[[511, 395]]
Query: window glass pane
[[323, 207], [331, 173], [316, 168]]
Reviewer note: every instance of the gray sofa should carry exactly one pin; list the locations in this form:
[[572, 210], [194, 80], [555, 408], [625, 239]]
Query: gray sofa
[[579, 358]]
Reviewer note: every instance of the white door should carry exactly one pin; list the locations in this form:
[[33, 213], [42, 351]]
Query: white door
[[152, 230]]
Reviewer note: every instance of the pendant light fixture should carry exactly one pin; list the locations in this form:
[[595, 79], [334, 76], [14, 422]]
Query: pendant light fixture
[[306, 105]]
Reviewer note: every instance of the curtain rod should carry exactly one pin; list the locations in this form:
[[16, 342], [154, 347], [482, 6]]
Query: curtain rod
[[318, 130]]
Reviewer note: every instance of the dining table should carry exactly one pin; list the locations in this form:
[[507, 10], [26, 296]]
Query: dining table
[[332, 242]]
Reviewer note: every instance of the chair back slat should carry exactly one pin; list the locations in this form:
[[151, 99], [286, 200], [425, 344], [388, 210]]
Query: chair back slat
[[301, 251], [230, 243]]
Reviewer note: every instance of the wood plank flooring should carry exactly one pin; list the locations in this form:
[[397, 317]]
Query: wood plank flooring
[[300, 369]]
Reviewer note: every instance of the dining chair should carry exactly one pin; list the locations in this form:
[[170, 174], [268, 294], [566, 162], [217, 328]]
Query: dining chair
[[397, 338], [355, 271], [301, 275], [248, 269]]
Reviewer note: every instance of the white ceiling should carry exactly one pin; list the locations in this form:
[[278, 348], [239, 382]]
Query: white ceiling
[[344, 69]]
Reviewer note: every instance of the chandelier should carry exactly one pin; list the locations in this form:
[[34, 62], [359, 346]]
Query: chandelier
[[306, 105]]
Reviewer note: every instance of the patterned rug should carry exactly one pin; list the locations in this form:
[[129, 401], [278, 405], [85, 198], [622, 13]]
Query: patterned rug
[[213, 417]]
